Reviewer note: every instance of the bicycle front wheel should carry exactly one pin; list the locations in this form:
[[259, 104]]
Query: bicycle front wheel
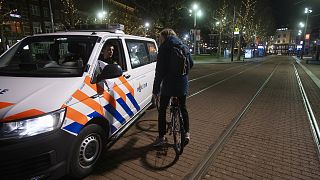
[[178, 131]]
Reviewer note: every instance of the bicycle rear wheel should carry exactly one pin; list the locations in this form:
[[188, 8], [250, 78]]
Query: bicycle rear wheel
[[178, 131]]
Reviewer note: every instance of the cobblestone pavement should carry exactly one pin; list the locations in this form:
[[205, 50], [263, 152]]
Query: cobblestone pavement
[[272, 141]]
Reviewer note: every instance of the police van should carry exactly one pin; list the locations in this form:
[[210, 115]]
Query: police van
[[58, 109]]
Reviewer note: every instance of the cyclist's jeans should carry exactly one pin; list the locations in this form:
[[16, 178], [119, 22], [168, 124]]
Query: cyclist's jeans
[[164, 101]]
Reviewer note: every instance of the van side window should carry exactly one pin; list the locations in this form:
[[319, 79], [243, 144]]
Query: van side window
[[152, 51], [138, 53]]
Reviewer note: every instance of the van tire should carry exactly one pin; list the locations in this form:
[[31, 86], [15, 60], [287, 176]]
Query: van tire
[[86, 150]]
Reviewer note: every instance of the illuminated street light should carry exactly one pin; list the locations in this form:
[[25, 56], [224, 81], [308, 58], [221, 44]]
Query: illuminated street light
[[301, 24], [196, 12], [186, 37], [199, 13], [147, 25], [195, 7], [146, 28], [101, 15], [306, 11]]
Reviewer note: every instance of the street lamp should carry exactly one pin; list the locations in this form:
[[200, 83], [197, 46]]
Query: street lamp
[[146, 28], [301, 25], [101, 15], [147, 25], [186, 39], [186, 36], [220, 35], [51, 16], [196, 12], [306, 11]]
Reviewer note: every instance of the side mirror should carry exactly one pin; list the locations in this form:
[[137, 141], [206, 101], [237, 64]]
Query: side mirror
[[110, 71]]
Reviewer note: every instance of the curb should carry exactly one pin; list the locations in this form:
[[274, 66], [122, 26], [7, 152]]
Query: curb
[[314, 78]]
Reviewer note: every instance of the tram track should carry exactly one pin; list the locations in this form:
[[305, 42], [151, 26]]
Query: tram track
[[220, 81], [218, 72], [211, 74], [191, 94], [307, 105], [201, 168], [182, 167], [234, 74]]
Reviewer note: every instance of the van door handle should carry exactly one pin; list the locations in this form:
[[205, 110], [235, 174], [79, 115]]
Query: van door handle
[[127, 76], [95, 96]]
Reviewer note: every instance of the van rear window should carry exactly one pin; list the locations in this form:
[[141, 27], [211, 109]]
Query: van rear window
[[141, 52]]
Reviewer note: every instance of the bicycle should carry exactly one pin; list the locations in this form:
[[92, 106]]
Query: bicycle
[[175, 126]]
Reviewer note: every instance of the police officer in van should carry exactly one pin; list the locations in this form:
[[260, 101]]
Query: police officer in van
[[107, 51], [171, 83], [106, 56]]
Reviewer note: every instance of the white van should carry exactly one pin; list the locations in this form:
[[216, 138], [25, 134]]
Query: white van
[[58, 110]]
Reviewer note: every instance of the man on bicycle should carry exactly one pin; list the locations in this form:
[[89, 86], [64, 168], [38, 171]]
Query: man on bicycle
[[172, 83]]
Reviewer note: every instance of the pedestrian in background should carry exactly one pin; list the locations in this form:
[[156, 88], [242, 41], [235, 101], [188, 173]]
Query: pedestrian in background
[[172, 83]]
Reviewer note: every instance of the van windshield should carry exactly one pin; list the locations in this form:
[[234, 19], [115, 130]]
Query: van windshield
[[48, 56]]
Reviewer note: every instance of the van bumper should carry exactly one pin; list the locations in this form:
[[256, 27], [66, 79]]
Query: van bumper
[[42, 156]]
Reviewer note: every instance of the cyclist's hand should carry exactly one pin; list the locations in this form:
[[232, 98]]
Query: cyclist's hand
[[155, 97]]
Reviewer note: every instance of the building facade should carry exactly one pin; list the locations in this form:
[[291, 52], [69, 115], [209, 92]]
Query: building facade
[[283, 42], [27, 17], [213, 43]]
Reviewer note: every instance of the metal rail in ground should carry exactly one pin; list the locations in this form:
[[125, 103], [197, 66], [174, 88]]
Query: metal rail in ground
[[312, 120], [221, 81], [202, 168]]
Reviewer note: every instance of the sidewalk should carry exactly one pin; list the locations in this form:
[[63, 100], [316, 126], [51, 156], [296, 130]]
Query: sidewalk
[[200, 59], [313, 70]]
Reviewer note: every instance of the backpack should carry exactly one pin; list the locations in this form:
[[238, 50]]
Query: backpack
[[179, 61]]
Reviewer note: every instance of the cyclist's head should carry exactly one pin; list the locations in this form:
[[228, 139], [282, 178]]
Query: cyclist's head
[[164, 34]]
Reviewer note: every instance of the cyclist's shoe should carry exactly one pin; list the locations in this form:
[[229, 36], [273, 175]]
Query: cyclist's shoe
[[160, 141], [187, 138]]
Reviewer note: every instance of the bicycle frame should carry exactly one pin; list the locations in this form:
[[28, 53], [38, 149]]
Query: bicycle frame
[[176, 125]]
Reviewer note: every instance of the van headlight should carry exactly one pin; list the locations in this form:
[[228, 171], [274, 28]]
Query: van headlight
[[33, 126]]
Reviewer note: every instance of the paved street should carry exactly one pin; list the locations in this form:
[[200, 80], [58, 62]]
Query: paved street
[[247, 121]]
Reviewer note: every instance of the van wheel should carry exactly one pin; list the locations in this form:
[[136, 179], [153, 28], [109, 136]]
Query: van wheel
[[87, 150]]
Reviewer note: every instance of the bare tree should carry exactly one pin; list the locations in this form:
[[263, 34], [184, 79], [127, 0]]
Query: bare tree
[[164, 13], [220, 22], [71, 13], [264, 21], [245, 22], [123, 14]]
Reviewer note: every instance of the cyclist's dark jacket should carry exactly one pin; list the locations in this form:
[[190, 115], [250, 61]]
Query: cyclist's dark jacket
[[171, 85]]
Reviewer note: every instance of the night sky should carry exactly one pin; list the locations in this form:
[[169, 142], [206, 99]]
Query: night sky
[[287, 13]]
